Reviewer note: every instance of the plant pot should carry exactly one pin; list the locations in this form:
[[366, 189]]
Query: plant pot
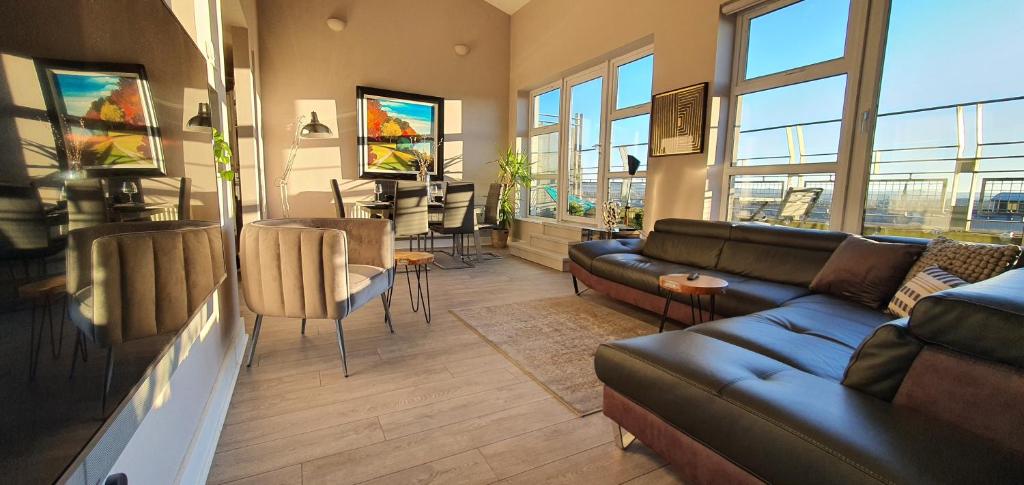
[[499, 238]]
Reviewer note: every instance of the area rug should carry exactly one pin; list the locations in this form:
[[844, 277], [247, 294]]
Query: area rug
[[553, 340]]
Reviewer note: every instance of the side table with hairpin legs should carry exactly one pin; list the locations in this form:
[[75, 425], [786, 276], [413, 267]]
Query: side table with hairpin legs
[[678, 285], [420, 263]]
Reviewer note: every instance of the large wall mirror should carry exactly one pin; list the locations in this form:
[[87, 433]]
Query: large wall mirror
[[104, 121]]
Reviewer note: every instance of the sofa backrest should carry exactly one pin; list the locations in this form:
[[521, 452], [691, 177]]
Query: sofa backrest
[[778, 253], [686, 241], [959, 359]]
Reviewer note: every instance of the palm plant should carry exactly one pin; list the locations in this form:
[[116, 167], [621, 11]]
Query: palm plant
[[513, 175]]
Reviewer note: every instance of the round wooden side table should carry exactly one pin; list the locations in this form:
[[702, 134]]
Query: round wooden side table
[[678, 285], [420, 263], [44, 294]]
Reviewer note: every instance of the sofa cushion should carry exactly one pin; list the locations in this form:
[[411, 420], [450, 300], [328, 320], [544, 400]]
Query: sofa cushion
[[641, 272], [791, 336], [745, 296], [931, 280], [788, 426], [584, 253], [780, 254], [683, 241], [971, 262], [839, 312], [866, 271], [882, 360]]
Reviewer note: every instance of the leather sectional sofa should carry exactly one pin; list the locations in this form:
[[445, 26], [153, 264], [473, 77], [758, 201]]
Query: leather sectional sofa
[[790, 386]]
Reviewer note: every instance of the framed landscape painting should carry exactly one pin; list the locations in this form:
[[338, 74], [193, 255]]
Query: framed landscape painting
[[397, 132], [103, 117]]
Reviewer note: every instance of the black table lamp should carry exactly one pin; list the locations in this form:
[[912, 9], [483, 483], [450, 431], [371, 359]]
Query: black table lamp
[[315, 129]]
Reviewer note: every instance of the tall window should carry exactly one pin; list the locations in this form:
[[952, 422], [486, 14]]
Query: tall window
[[792, 95], [545, 124], [905, 117], [583, 158], [948, 150]]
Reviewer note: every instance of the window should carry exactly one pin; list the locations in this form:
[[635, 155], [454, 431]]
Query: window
[[948, 149], [790, 100], [585, 131], [900, 116], [544, 149]]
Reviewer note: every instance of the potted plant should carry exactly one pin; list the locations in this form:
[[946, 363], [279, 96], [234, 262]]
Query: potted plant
[[513, 175]]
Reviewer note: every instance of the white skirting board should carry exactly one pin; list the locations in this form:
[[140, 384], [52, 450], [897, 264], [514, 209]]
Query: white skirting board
[[195, 467]]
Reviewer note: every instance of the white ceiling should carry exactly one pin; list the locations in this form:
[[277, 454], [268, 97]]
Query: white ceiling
[[508, 6]]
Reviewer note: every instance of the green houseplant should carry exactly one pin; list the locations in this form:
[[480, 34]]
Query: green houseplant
[[513, 175], [222, 155]]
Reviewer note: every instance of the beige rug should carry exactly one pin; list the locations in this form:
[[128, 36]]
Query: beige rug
[[553, 340]]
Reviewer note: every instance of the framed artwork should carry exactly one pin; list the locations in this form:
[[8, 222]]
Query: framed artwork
[[103, 117], [677, 121], [398, 131]]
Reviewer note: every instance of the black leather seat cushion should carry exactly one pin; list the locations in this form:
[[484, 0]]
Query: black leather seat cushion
[[796, 337], [584, 254], [641, 272], [747, 295], [837, 311], [788, 426]]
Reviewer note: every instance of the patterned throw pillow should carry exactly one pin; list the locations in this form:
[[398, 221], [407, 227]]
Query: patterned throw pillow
[[971, 262], [931, 280]]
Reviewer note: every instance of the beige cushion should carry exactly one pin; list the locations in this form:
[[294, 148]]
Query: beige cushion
[[972, 262], [931, 280], [866, 271]]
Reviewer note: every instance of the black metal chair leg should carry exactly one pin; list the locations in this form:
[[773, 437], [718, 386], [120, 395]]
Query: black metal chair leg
[[57, 347], [108, 375], [303, 326], [387, 311], [341, 346], [74, 354], [255, 338]]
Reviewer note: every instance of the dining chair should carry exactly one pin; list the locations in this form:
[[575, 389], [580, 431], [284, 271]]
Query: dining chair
[[458, 219], [24, 231], [174, 192], [339, 202], [490, 216], [132, 280], [87, 203], [410, 212], [316, 268]]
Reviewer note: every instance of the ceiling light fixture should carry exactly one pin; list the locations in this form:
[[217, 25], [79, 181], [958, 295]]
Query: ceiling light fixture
[[461, 49], [336, 24]]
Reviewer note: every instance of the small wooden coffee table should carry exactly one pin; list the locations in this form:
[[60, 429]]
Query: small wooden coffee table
[[420, 262], [678, 285]]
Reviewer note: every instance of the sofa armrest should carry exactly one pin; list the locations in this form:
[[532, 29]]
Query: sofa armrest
[[586, 252]]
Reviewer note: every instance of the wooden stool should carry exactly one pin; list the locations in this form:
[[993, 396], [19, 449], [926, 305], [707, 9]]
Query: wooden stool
[[42, 294], [678, 284], [420, 262]]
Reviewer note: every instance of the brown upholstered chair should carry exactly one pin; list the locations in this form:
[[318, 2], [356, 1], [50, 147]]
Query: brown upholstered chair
[[316, 268], [132, 280]]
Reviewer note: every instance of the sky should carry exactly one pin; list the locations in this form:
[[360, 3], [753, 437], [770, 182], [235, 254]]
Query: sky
[[418, 115], [79, 91], [938, 52]]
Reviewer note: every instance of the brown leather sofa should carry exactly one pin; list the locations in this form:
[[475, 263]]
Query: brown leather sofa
[[789, 386]]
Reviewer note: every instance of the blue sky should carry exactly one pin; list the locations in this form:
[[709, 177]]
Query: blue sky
[[79, 91], [418, 115]]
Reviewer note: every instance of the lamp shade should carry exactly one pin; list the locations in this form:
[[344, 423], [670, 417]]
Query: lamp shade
[[633, 164], [315, 129], [201, 121]]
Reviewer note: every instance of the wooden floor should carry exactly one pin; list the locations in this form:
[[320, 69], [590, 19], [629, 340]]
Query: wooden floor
[[428, 404]]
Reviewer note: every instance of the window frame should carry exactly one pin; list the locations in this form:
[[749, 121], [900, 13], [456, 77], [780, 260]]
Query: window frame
[[850, 64], [533, 131], [609, 71]]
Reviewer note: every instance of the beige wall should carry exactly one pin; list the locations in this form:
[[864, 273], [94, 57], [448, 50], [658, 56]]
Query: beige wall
[[403, 45], [552, 37], [150, 35]]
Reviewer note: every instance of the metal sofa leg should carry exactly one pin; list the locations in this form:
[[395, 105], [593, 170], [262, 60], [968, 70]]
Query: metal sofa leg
[[576, 287], [623, 438], [341, 346], [255, 338], [303, 326]]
